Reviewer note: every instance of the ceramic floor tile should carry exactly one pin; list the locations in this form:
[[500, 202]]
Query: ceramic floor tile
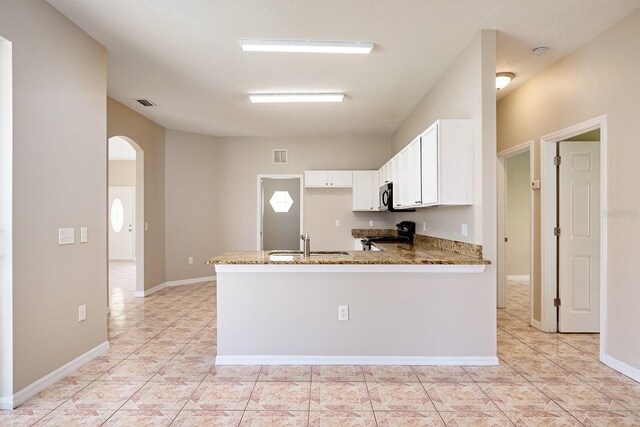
[[628, 393], [75, 417], [103, 395], [456, 397], [160, 350], [275, 418], [221, 396], [234, 373], [183, 371], [341, 419], [123, 348], [127, 418], [55, 395], [285, 373], [349, 373], [398, 396], [340, 396], [516, 397], [541, 418], [190, 418], [21, 417], [94, 369], [442, 373], [161, 396], [475, 419], [199, 349], [543, 370], [499, 373], [607, 418], [408, 419], [580, 397], [133, 370], [280, 396], [385, 373], [593, 370]]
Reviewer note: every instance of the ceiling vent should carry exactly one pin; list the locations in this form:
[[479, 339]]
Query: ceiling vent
[[280, 156], [146, 102]]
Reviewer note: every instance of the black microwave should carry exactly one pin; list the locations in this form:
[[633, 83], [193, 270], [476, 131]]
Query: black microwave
[[386, 199]]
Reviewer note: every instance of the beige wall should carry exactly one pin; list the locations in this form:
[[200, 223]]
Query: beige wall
[[59, 89], [518, 249], [240, 160], [122, 121], [191, 203], [577, 88], [122, 173]]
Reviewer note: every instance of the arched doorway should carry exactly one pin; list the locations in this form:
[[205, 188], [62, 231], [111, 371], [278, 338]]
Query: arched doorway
[[125, 220]]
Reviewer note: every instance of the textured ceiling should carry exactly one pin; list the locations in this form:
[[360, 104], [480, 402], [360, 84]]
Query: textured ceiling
[[185, 55]]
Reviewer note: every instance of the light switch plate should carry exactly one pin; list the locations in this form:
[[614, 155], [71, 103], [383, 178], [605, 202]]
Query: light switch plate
[[146, 226], [66, 236], [465, 230], [337, 223], [190, 260], [84, 236], [82, 313]]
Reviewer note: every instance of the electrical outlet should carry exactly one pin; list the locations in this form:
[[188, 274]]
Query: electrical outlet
[[465, 230], [371, 223], [146, 226], [84, 235], [190, 260], [337, 223], [424, 226], [343, 312], [82, 313]]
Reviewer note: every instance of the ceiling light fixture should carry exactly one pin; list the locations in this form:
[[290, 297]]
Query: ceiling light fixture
[[259, 98], [305, 46], [539, 50], [503, 79]]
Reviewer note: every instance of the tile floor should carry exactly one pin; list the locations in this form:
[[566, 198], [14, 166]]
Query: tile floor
[[160, 371]]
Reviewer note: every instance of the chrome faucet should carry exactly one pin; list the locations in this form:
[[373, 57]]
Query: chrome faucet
[[307, 244]]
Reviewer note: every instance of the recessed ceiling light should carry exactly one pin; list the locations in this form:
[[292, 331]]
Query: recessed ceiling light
[[503, 79], [258, 98], [305, 46], [539, 50]]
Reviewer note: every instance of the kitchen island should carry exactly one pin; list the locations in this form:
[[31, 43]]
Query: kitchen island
[[415, 304]]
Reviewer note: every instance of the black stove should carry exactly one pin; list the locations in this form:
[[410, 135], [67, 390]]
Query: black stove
[[405, 229]]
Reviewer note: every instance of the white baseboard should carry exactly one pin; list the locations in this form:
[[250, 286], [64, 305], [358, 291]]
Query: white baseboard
[[355, 360], [518, 277], [142, 294], [536, 324], [36, 387], [628, 370]]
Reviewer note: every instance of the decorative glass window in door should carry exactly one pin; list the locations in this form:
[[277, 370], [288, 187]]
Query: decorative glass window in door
[[117, 215], [281, 201]]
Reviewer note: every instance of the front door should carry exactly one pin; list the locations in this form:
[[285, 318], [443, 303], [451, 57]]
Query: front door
[[121, 226], [579, 241]]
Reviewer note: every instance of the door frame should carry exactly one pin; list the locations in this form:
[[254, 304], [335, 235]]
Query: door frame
[[259, 203], [134, 218], [502, 224], [548, 221]]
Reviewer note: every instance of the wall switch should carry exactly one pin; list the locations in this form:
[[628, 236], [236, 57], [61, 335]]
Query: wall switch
[[424, 226], [190, 260], [146, 226], [66, 236], [84, 236], [371, 223], [465, 230], [343, 312], [82, 313], [535, 184], [337, 223]]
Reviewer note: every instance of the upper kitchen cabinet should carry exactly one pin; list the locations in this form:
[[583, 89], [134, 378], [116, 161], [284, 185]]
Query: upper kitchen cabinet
[[365, 191], [447, 163], [328, 179], [407, 187]]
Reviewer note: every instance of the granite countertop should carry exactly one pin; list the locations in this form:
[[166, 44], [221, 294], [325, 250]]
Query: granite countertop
[[390, 253]]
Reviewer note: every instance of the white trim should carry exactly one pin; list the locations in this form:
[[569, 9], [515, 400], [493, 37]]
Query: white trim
[[519, 277], [6, 403], [142, 294], [349, 268], [628, 370], [356, 360], [536, 324], [36, 387], [548, 246], [260, 176]]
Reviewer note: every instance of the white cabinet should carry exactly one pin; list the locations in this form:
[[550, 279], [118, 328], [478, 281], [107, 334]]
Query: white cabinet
[[328, 179], [365, 191], [447, 163], [386, 173], [408, 186]]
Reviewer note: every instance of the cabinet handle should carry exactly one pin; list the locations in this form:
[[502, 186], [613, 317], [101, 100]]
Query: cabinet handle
[[418, 201], [397, 204]]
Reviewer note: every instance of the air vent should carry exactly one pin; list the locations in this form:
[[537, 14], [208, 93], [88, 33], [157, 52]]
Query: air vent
[[146, 102], [280, 156]]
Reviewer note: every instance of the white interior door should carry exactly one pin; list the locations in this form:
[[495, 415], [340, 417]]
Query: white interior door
[[121, 224], [579, 241]]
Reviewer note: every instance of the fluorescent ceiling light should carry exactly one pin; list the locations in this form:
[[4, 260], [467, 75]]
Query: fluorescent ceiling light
[[258, 98], [305, 46], [503, 80]]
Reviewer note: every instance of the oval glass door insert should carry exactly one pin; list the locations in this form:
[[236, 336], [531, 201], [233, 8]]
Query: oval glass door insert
[[117, 215]]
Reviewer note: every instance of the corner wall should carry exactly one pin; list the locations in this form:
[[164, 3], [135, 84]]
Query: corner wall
[[601, 77], [59, 90]]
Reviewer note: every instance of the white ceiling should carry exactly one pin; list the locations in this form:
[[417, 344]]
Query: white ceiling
[[185, 55], [119, 149]]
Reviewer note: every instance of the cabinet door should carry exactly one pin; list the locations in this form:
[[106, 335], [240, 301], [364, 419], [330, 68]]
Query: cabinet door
[[362, 190], [395, 178], [316, 178], [413, 195], [430, 166], [341, 178], [375, 190]]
